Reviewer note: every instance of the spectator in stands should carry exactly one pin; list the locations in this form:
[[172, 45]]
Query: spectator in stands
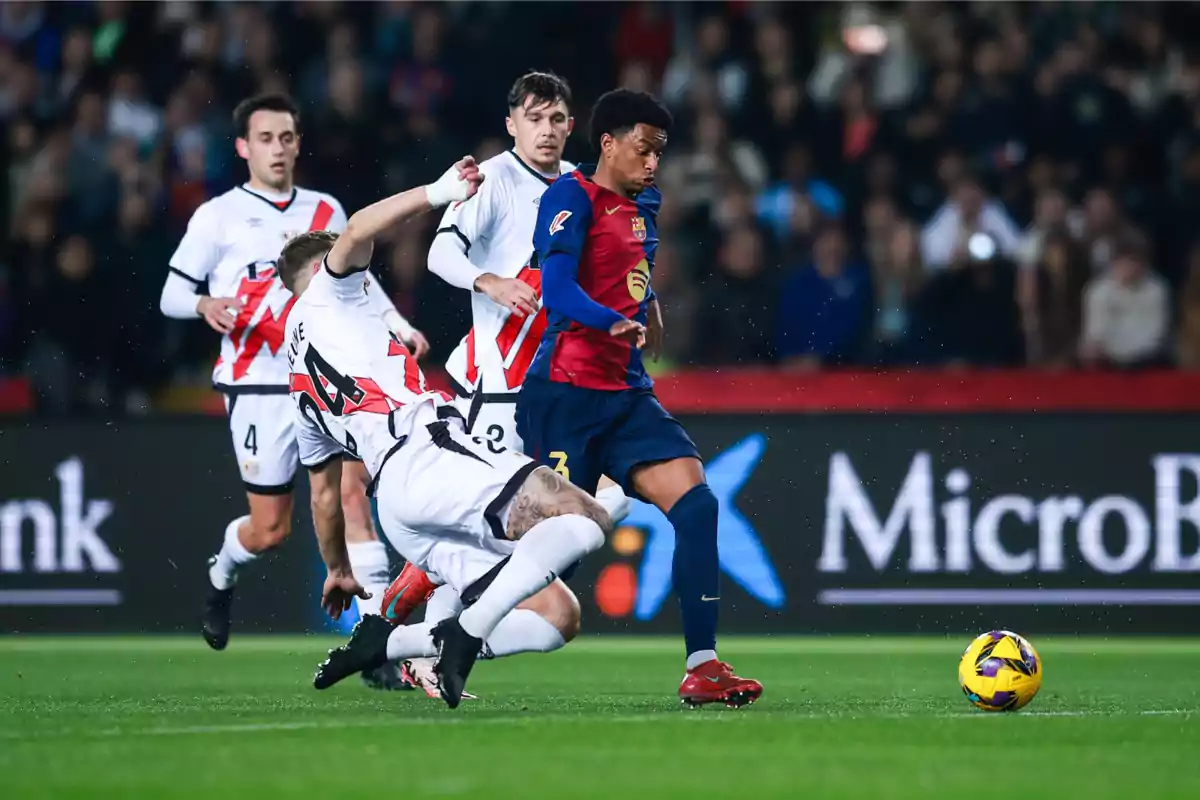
[[677, 297], [777, 202], [702, 172], [968, 211], [824, 307], [711, 57], [1101, 227], [1188, 341], [1054, 320], [896, 275], [70, 357], [1126, 312], [970, 309], [1049, 218], [736, 317]]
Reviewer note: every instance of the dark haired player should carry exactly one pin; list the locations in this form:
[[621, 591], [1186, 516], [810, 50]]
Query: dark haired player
[[587, 407], [232, 243], [484, 246]]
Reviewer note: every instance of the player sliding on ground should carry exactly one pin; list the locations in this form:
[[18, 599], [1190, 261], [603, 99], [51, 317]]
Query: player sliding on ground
[[231, 243], [587, 407], [484, 246], [448, 504]]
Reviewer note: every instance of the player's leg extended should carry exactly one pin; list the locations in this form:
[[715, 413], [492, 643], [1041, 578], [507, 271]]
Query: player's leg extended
[[540, 624], [444, 487], [554, 524], [266, 452], [246, 538], [661, 464]]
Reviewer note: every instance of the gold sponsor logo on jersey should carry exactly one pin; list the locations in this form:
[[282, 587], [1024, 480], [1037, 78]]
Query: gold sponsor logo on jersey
[[639, 228], [638, 280]]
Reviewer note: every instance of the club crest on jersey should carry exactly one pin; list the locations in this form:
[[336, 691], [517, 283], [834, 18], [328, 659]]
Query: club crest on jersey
[[639, 228], [559, 221]]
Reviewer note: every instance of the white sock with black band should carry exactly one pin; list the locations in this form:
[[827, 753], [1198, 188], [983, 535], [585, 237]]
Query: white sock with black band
[[546, 550], [232, 556]]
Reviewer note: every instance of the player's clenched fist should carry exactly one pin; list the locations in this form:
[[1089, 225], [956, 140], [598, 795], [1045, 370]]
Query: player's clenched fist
[[630, 331], [457, 184], [219, 312]]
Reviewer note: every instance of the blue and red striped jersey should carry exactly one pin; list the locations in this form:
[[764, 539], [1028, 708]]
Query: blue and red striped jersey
[[611, 240]]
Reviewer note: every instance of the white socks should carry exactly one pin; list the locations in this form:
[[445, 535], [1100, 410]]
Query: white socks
[[522, 631], [411, 641], [546, 550], [615, 502], [442, 604], [699, 657], [223, 572], [369, 563]]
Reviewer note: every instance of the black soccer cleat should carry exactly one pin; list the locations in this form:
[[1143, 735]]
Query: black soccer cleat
[[387, 678], [457, 651], [218, 615], [366, 651]]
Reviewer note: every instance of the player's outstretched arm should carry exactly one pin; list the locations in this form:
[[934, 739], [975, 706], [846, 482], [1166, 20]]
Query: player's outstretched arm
[[352, 251], [325, 484]]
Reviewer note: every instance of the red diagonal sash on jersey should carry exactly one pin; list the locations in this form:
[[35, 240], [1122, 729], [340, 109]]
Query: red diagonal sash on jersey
[[268, 331], [514, 374], [321, 216], [413, 380]]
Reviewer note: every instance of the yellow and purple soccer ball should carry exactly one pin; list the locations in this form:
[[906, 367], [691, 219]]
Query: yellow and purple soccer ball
[[1000, 671]]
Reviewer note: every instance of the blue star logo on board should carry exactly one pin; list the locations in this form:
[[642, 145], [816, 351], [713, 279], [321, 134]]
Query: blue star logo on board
[[620, 591]]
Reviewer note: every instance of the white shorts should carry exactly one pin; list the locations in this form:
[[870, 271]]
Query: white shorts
[[264, 440], [492, 423], [443, 501]]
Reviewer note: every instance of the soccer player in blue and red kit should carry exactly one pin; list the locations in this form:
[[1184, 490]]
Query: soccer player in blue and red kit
[[587, 407]]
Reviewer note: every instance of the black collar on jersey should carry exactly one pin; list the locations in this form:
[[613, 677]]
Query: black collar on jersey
[[279, 206], [530, 169]]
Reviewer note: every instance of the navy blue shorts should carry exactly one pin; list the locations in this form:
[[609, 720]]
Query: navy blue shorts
[[585, 433]]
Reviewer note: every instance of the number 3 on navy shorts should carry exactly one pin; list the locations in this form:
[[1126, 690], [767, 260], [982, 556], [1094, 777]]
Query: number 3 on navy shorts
[[560, 463]]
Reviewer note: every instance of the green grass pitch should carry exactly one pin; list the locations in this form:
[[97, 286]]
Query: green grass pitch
[[841, 717]]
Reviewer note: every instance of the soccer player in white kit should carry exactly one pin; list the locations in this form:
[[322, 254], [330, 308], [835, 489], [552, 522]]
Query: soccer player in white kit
[[232, 242], [484, 246], [452, 506]]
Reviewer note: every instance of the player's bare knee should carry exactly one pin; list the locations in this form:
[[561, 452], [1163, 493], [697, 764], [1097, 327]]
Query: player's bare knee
[[559, 606]]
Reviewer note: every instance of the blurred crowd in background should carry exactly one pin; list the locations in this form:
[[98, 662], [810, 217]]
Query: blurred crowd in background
[[991, 184]]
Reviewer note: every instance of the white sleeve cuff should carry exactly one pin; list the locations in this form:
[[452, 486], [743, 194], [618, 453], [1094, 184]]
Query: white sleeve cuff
[[179, 297], [448, 260]]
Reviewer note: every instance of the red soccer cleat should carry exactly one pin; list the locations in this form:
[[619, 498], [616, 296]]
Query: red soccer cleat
[[714, 682], [410, 590]]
